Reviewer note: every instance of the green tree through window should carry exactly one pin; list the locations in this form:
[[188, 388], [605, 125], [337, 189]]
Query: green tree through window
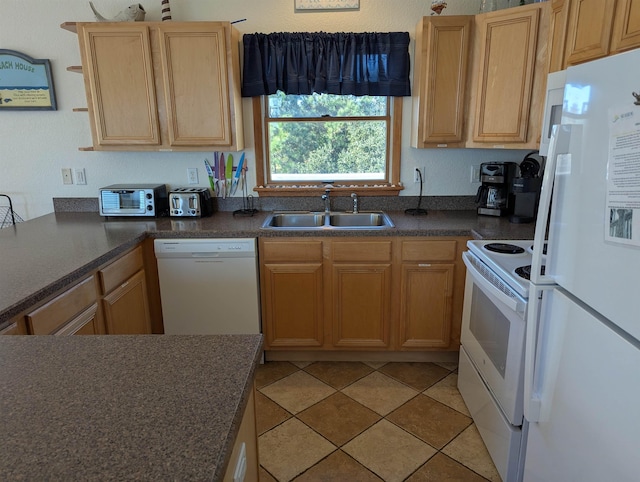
[[325, 137]]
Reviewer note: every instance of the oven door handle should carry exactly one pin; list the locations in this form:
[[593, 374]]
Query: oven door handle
[[515, 303]]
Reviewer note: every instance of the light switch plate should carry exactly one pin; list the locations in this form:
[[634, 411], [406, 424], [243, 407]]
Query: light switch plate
[[80, 176]]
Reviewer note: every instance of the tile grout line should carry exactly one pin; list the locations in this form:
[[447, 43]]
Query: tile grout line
[[383, 417]]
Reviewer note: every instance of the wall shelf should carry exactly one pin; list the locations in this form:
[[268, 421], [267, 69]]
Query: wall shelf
[[70, 26]]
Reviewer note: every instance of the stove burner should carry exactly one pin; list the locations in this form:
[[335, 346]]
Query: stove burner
[[525, 271], [504, 248]]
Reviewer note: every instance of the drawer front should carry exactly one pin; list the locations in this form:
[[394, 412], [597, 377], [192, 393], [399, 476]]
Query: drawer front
[[293, 251], [57, 312], [121, 270], [354, 251], [429, 250]]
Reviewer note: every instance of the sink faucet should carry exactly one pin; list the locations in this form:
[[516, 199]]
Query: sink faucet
[[354, 196], [327, 201]]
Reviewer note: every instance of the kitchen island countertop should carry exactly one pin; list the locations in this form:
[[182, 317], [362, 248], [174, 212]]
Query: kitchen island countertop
[[123, 407], [45, 254]]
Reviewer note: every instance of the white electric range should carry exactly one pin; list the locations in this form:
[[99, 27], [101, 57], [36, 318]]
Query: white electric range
[[491, 369]]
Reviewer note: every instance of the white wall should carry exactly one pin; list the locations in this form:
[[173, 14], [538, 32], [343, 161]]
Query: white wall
[[36, 145]]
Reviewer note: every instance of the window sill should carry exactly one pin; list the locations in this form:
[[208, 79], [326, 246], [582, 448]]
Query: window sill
[[336, 190]]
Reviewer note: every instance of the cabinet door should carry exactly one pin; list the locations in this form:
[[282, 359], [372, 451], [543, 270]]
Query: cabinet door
[[125, 308], [15, 327], [89, 322], [506, 65], [361, 305], [119, 81], [426, 305], [53, 316], [195, 72], [361, 293], [558, 29], [440, 75], [292, 308], [626, 26], [589, 30]]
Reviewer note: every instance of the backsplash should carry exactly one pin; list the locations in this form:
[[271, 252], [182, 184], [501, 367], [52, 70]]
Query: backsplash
[[311, 203]]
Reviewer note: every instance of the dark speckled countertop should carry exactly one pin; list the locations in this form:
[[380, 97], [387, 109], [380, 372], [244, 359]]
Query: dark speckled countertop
[[41, 256], [123, 407]]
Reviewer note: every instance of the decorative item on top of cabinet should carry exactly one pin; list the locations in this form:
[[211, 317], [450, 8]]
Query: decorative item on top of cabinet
[[585, 30], [440, 77], [180, 91], [166, 10], [508, 77], [133, 13]]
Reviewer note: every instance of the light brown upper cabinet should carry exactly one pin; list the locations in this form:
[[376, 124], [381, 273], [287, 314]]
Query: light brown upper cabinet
[[440, 77], [584, 30], [479, 81], [159, 86], [509, 69]]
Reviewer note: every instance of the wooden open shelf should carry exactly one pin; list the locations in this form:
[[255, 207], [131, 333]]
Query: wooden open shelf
[[70, 26]]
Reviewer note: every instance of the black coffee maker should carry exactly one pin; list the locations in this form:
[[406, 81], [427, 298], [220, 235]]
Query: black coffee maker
[[494, 197], [526, 190]]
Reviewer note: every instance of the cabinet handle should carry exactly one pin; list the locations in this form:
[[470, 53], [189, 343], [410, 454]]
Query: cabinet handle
[[424, 265], [124, 284]]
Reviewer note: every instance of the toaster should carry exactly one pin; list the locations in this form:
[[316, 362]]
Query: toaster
[[190, 202]]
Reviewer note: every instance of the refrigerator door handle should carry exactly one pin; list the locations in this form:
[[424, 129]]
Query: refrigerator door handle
[[532, 400], [533, 366], [558, 144]]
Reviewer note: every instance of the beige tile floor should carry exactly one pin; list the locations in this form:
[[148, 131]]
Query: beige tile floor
[[352, 421]]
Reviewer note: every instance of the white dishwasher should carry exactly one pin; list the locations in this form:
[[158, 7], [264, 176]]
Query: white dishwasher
[[208, 286]]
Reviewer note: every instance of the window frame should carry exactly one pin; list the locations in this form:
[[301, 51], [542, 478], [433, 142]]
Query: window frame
[[392, 187]]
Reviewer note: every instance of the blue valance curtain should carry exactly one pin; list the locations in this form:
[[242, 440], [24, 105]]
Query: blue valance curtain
[[329, 63]]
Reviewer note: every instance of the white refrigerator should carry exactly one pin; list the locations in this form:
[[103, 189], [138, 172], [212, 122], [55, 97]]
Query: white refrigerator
[[582, 357]]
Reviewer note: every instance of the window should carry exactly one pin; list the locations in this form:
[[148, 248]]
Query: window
[[326, 137], [327, 108], [318, 139]]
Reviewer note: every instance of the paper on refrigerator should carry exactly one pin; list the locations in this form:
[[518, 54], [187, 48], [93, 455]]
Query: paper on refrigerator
[[623, 176]]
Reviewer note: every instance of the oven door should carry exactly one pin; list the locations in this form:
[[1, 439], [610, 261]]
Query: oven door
[[493, 331]]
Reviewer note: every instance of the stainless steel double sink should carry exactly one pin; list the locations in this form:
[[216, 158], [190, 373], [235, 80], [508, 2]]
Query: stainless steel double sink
[[305, 220]]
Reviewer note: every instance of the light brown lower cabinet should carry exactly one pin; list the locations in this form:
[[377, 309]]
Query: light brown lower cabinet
[[125, 308], [245, 448], [73, 312], [361, 293], [426, 286], [125, 300], [291, 279], [392, 293], [112, 300], [15, 327]]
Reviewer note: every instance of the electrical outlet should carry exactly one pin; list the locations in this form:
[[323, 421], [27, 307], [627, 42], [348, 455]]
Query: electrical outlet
[[66, 176], [80, 176], [416, 174], [192, 175], [475, 174]]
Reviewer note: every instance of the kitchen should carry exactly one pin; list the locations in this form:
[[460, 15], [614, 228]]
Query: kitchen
[[408, 28]]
